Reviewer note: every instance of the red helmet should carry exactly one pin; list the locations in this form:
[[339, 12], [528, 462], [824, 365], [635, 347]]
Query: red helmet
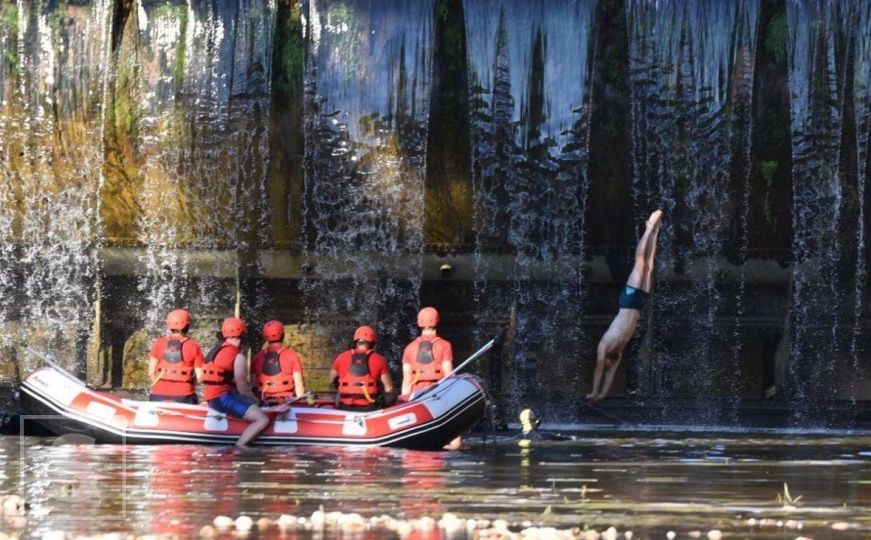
[[178, 319], [233, 327], [365, 333], [273, 331], [428, 317]]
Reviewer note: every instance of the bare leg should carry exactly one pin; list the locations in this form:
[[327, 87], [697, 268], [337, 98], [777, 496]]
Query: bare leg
[[600, 368], [613, 363], [258, 420], [642, 272]]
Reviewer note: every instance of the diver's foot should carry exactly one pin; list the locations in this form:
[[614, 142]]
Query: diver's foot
[[590, 397], [594, 398], [455, 444], [654, 219]]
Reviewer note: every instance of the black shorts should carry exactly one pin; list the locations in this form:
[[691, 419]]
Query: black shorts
[[632, 298]]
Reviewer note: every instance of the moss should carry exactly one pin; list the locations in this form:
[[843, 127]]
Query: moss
[[9, 21]]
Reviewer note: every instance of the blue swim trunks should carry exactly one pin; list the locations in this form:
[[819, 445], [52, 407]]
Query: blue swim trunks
[[632, 298], [231, 403]]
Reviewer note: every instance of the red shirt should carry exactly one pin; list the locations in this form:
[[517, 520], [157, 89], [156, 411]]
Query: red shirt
[[441, 352], [190, 354], [377, 368], [287, 359], [225, 360]]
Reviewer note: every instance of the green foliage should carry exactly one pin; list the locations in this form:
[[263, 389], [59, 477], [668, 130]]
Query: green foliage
[[768, 169], [288, 59], [776, 36]]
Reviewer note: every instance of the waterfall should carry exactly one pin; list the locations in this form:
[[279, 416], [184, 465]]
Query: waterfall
[[815, 318], [862, 90], [528, 66], [53, 86], [691, 73], [367, 84], [203, 74], [829, 82]]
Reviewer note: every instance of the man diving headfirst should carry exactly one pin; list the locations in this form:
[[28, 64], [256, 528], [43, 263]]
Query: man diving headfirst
[[632, 299]]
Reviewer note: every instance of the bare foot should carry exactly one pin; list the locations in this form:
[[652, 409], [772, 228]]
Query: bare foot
[[455, 444], [593, 398], [590, 397], [654, 219]]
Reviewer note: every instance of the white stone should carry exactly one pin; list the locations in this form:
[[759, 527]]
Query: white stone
[[244, 523]]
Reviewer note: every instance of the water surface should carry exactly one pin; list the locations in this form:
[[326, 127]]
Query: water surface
[[650, 485]]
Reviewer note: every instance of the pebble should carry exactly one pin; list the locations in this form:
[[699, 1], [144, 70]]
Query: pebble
[[207, 531], [244, 523], [223, 522], [286, 521], [715, 534], [12, 504], [610, 534], [840, 526], [670, 535], [500, 525], [318, 520], [628, 535], [263, 523]]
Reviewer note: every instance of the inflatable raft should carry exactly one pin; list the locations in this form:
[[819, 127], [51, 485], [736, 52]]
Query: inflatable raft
[[65, 405]]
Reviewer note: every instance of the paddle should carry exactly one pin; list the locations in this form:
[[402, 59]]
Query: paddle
[[284, 407], [48, 360], [477, 354]]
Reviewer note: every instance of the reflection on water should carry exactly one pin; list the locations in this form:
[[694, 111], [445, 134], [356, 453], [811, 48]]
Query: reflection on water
[[647, 485]]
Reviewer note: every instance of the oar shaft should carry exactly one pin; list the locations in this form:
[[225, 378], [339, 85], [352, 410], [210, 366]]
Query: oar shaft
[[474, 356]]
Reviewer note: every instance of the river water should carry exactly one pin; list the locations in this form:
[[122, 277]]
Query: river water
[[691, 484]]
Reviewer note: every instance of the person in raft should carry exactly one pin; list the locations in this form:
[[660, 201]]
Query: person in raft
[[632, 300], [276, 372], [172, 360], [427, 360], [362, 376], [224, 372]]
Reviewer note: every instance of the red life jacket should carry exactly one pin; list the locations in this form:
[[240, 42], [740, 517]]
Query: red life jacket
[[424, 368], [214, 372], [272, 380], [357, 384], [171, 367]]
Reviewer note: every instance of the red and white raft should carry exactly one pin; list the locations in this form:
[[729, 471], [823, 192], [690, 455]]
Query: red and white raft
[[64, 404]]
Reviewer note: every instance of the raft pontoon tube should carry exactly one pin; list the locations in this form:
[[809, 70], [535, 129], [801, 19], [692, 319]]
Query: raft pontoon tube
[[65, 405]]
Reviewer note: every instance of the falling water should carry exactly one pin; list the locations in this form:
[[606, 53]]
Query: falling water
[[691, 67], [204, 75], [367, 85], [862, 84], [528, 75], [53, 89], [815, 320]]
